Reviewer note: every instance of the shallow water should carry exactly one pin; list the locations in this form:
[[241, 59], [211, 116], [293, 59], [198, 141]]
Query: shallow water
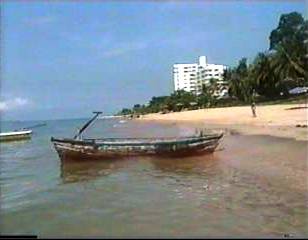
[[251, 186]]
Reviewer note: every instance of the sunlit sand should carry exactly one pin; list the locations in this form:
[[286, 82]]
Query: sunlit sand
[[284, 120]]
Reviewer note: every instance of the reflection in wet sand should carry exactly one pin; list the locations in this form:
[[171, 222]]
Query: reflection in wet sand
[[78, 171], [197, 165]]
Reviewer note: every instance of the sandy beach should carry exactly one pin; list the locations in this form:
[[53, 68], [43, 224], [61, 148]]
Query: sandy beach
[[284, 120]]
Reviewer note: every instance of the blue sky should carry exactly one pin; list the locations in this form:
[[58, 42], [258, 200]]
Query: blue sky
[[65, 59]]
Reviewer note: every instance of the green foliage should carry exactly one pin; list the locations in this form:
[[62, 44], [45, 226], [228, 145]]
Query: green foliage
[[273, 73], [204, 99], [289, 41], [288, 30], [240, 81], [126, 111]]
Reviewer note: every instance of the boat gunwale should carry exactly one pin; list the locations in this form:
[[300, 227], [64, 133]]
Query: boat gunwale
[[138, 141]]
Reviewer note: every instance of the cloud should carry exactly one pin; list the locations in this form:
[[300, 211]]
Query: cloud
[[40, 21], [14, 103], [124, 49]]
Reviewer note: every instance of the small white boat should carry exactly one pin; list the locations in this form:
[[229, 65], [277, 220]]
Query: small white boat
[[15, 135]]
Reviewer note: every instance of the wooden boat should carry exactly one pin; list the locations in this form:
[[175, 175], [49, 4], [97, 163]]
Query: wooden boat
[[100, 148], [15, 135]]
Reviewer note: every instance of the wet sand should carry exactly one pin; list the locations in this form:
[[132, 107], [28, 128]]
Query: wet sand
[[275, 120]]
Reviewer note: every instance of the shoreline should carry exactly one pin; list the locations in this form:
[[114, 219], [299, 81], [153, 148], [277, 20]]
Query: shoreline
[[275, 120]]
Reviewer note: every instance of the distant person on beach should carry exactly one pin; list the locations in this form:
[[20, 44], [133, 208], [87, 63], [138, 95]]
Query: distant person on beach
[[253, 109], [253, 104]]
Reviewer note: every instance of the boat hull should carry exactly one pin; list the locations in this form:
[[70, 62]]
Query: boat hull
[[83, 150]]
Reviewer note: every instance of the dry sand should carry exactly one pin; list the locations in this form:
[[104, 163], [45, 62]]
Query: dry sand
[[276, 120]]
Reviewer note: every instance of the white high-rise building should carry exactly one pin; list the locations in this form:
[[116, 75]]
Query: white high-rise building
[[191, 76]]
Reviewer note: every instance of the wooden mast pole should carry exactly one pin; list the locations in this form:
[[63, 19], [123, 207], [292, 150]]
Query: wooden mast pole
[[87, 124]]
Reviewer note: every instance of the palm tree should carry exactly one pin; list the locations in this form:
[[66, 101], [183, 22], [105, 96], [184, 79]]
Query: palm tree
[[263, 75], [287, 68], [213, 86], [291, 62], [262, 68], [239, 81]]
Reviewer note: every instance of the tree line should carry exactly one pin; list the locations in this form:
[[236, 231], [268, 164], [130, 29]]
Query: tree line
[[270, 75]]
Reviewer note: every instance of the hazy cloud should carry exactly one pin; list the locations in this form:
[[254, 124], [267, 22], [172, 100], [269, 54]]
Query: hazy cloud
[[40, 20], [14, 103], [124, 48]]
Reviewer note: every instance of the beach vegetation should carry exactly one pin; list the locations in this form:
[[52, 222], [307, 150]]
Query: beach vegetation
[[269, 77]]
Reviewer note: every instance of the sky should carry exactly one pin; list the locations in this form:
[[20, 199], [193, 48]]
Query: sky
[[66, 59]]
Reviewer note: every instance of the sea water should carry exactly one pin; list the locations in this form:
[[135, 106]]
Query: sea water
[[251, 186]]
